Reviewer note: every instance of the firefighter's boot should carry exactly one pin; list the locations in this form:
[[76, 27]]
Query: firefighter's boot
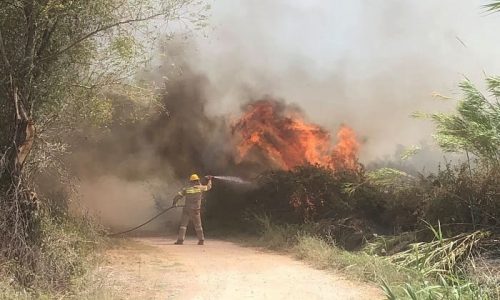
[[182, 235], [199, 233]]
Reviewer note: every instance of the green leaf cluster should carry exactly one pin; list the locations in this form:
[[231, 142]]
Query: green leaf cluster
[[475, 127]]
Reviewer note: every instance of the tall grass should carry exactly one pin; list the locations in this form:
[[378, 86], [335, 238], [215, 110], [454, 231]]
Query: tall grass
[[358, 265], [304, 244], [442, 267], [439, 256], [66, 258], [432, 270]]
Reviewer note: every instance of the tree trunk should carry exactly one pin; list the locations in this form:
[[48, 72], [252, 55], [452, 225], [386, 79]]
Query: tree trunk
[[18, 221]]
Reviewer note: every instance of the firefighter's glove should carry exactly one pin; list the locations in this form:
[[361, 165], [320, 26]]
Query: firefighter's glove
[[176, 199]]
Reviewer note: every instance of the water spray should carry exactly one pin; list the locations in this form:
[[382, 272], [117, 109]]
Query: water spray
[[231, 179], [225, 178]]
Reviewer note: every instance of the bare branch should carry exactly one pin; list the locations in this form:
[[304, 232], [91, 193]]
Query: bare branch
[[99, 30], [3, 52], [16, 102], [46, 38], [30, 31], [27, 145]]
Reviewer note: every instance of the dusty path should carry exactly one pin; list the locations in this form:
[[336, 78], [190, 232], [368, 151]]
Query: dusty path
[[153, 268]]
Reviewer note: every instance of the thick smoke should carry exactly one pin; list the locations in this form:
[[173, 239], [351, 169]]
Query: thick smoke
[[365, 64], [133, 169], [136, 167]]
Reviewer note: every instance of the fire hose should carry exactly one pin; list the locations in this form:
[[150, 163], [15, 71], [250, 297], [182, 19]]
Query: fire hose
[[225, 178], [145, 223]]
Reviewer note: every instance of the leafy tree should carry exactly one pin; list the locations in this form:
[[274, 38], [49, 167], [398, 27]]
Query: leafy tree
[[475, 127], [57, 60]]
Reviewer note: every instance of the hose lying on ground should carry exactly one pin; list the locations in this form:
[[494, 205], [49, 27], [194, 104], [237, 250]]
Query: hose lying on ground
[[226, 178], [147, 222]]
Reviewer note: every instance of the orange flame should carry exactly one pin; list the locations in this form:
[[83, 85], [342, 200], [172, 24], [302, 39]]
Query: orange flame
[[281, 134]]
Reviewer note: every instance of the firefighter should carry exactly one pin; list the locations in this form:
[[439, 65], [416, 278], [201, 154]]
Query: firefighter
[[191, 210]]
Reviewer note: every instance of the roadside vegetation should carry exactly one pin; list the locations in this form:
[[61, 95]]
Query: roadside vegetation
[[66, 70], [449, 268], [419, 236]]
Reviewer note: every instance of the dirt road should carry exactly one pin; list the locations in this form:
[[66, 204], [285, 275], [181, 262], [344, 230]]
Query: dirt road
[[153, 268]]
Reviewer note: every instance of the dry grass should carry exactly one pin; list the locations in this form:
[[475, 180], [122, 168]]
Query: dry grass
[[433, 270], [359, 265], [65, 266]]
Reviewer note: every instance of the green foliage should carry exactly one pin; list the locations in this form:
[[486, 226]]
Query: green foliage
[[124, 46], [63, 67], [440, 265], [459, 197], [463, 195], [458, 194], [441, 256], [358, 265], [67, 253], [385, 177], [431, 270], [303, 243], [475, 127], [61, 54], [384, 245], [450, 288], [97, 111], [493, 6], [277, 237], [409, 152]]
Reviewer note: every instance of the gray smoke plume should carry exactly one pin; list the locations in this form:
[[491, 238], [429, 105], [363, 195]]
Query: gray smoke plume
[[135, 168], [369, 64], [363, 63]]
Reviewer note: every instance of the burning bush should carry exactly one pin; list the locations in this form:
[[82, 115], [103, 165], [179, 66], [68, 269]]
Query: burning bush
[[303, 194], [279, 134], [349, 205]]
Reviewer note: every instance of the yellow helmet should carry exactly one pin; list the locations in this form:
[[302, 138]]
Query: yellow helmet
[[194, 177]]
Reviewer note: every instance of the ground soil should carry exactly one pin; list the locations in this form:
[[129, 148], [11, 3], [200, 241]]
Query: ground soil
[[154, 268]]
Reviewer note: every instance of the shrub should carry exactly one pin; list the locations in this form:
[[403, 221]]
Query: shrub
[[66, 251], [304, 194], [354, 204], [464, 195]]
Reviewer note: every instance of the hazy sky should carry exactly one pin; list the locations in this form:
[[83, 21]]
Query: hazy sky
[[368, 63]]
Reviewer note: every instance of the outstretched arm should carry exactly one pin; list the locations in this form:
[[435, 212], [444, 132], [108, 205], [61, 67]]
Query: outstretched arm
[[208, 186]]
